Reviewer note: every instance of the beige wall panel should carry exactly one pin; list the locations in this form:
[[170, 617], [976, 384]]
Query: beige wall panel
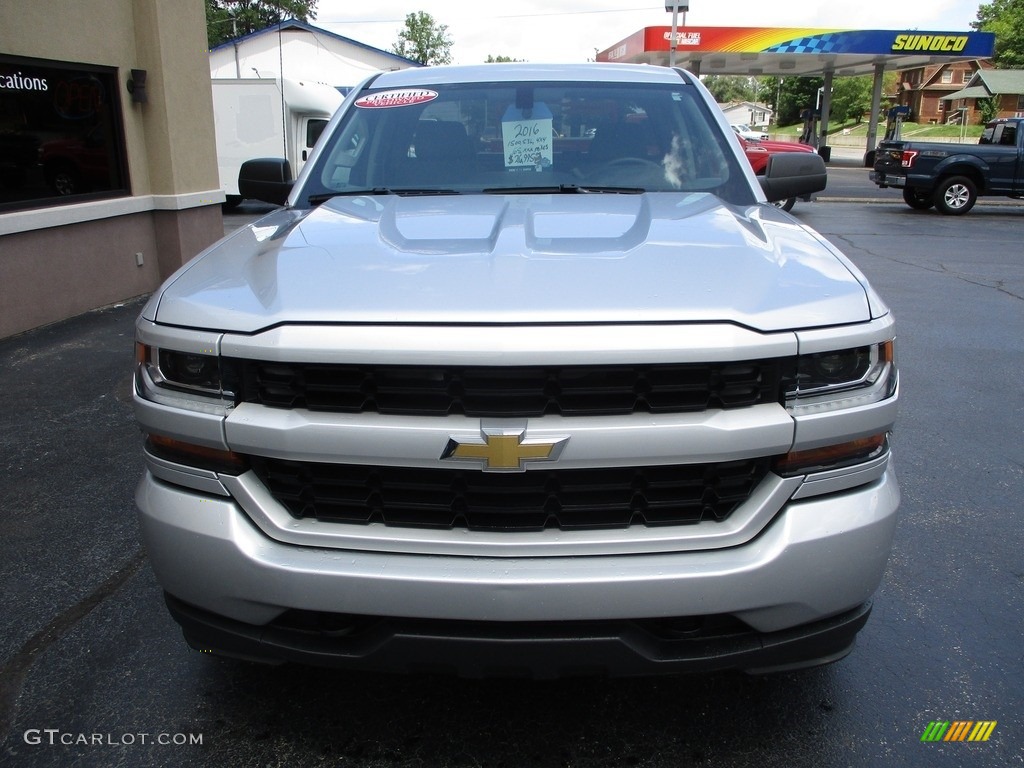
[[64, 271]]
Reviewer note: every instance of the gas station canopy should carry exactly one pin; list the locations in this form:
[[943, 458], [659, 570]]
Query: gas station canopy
[[797, 51], [800, 52]]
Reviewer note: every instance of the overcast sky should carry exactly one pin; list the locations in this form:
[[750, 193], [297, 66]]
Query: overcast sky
[[553, 31]]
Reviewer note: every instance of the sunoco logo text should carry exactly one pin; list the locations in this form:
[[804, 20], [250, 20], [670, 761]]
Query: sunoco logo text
[[935, 43]]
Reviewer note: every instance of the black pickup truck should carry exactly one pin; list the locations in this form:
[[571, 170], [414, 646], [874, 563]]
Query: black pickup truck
[[952, 176]]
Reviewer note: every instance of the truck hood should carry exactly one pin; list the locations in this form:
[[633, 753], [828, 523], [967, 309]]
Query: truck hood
[[486, 259]]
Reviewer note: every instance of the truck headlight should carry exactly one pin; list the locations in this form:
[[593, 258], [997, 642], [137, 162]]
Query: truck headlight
[[188, 371], [185, 379], [843, 378]]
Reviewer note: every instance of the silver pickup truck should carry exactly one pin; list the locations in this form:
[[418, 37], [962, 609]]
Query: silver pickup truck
[[525, 377]]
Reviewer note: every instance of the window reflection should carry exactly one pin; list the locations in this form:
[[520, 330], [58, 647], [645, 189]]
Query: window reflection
[[60, 133]]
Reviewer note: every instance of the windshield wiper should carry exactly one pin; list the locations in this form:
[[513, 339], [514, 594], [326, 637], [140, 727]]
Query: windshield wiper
[[323, 198], [563, 189], [401, 192]]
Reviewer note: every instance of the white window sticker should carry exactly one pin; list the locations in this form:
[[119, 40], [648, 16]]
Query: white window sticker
[[527, 138], [403, 98]]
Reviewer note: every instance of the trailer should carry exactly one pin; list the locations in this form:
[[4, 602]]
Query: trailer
[[257, 117]]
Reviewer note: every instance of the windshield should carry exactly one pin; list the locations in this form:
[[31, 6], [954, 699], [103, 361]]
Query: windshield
[[527, 137]]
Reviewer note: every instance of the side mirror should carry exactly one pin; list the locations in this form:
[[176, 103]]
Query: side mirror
[[266, 178], [793, 174]]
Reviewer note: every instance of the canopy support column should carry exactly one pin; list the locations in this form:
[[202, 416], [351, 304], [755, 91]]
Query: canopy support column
[[876, 105]]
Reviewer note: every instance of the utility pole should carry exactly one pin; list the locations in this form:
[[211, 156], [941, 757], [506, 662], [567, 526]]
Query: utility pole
[[675, 6]]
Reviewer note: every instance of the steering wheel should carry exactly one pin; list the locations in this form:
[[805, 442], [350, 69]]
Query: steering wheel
[[629, 172], [626, 162]]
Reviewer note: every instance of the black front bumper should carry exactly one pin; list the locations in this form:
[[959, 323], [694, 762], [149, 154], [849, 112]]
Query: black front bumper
[[533, 650]]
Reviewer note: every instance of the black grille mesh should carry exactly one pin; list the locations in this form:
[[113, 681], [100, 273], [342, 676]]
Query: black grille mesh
[[566, 499], [511, 391]]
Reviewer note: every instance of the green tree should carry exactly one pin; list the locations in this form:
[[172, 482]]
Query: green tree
[[499, 59], [989, 109], [796, 94], [727, 88], [851, 98], [228, 19], [1004, 18], [768, 93], [424, 40]]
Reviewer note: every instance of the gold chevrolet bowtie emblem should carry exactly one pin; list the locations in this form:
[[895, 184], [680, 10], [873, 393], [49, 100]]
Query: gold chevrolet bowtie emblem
[[503, 450]]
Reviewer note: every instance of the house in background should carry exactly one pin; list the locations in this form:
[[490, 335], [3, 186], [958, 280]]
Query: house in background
[[1006, 86], [299, 51], [747, 113], [924, 89]]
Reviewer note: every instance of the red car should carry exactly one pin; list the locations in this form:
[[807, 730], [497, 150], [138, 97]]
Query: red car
[[758, 153], [77, 164]]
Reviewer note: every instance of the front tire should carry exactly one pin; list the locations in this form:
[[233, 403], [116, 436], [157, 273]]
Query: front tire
[[786, 205], [955, 196], [917, 199], [64, 179]]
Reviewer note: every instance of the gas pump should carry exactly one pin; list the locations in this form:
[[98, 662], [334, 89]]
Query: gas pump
[[809, 135], [894, 122], [893, 126]]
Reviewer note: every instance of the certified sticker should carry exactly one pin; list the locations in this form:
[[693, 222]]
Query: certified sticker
[[402, 98]]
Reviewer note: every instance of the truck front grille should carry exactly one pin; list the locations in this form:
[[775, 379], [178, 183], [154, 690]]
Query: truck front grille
[[567, 499], [511, 391]]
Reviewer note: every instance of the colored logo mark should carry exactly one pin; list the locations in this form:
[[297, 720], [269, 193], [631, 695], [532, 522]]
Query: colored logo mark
[[958, 730]]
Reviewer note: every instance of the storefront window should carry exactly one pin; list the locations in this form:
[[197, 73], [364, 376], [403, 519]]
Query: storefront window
[[61, 138]]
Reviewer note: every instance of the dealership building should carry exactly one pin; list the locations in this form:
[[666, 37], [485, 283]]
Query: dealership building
[[108, 171]]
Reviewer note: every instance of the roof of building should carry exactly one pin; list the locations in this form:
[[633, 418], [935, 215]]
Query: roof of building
[[746, 105], [288, 24], [991, 82]]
